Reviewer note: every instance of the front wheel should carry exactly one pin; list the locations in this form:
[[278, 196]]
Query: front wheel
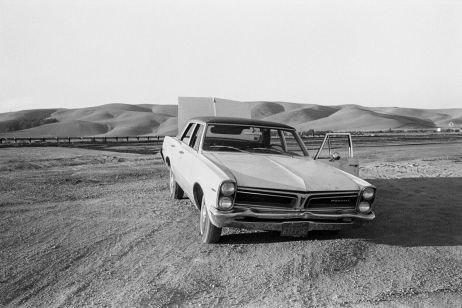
[[210, 233], [175, 190]]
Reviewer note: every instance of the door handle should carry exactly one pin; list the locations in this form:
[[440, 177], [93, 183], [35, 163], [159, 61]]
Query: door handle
[[181, 152], [172, 145]]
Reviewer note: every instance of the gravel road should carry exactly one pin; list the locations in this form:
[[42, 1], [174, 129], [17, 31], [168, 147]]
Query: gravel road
[[81, 227]]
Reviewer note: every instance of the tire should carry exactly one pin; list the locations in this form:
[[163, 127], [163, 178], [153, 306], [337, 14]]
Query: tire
[[209, 232], [175, 190]]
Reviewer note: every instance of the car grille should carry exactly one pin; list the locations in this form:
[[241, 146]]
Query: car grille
[[332, 200], [265, 199]]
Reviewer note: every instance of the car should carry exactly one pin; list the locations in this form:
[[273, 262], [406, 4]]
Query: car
[[256, 174]]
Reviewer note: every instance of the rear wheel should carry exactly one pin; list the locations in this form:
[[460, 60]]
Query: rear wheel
[[210, 233], [175, 190]]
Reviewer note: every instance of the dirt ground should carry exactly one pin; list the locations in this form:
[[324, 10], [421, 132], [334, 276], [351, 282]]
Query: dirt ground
[[83, 227]]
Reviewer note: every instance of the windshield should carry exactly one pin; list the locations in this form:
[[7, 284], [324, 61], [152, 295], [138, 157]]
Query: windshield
[[254, 139]]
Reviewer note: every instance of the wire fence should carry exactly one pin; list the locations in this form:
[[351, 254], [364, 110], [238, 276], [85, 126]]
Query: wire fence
[[71, 140], [312, 142]]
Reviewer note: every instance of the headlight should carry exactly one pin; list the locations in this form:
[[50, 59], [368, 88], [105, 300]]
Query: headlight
[[228, 188], [225, 203], [364, 207], [368, 193]]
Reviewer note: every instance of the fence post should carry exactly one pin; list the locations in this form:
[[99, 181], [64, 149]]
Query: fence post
[[57, 139]]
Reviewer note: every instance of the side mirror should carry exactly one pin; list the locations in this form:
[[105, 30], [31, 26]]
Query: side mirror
[[335, 156]]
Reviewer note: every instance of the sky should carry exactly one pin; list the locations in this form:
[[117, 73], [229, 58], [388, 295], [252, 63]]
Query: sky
[[71, 54]]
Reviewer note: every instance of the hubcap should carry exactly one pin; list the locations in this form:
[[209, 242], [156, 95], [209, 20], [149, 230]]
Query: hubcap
[[203, 217], [172, 182]]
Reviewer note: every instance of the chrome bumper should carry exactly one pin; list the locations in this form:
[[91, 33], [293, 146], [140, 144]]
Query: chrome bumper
[[272, 220]]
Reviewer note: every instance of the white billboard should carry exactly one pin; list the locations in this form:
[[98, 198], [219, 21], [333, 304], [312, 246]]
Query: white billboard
[[191, 107]]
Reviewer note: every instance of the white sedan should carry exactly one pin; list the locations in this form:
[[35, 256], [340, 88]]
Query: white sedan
[[257, 174]]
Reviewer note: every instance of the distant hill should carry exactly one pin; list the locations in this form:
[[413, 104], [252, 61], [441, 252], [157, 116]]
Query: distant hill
[[356, 118], [150, 119], [105, 120]]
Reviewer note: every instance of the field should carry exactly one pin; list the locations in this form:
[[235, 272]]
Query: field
[[93, 227]]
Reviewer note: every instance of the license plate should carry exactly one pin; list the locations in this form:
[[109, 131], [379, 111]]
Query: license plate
[[294, 229]]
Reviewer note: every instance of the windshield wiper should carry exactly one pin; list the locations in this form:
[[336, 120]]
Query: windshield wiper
[[227, 147], [273, 151]]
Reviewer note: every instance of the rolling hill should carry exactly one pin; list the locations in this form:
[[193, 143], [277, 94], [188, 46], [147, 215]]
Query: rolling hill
[[151, 119], [105, 120]]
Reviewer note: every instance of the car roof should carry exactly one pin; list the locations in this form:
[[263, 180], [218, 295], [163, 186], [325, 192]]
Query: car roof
[[240, 121]]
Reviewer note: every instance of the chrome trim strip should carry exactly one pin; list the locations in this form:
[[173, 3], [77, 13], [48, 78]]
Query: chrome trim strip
[[295, 191], [292, 196], [291, 129]]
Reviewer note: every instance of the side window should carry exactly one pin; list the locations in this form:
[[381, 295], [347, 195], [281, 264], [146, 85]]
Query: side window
[[196, 137], [187, 134]]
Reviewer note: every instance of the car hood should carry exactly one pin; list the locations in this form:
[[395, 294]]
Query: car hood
[[284, 172]]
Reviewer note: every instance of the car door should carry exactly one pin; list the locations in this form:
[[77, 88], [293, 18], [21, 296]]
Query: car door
[[337, 150], [178, 163], [191, 162]]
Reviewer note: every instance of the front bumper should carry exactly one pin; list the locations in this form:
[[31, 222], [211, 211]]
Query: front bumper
[[274, 220]]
